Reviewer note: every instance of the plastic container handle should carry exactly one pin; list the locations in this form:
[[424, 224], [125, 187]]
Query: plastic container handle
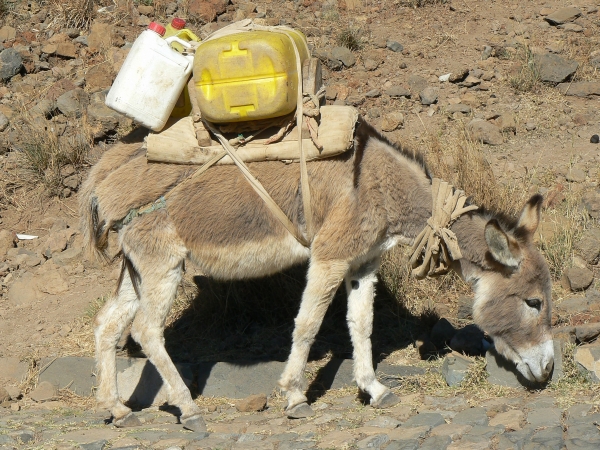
[[171, 39]]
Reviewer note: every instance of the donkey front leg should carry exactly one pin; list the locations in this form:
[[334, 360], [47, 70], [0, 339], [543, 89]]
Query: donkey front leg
[[360, 286], [322, 281]]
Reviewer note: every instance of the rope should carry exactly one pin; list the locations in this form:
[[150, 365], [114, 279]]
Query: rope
[[436, 246]]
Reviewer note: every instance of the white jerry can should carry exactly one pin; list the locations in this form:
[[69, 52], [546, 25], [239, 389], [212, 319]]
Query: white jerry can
[[151, 79]]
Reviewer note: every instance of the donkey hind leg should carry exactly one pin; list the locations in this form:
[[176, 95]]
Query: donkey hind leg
[[322, 281], [360, 286], [110, 323], [158, 288]]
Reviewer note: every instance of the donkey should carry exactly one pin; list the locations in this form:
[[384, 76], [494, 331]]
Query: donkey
[[364, 202]]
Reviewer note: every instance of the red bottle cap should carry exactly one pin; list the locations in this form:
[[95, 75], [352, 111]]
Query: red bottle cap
[[157, 28], [178, 23]]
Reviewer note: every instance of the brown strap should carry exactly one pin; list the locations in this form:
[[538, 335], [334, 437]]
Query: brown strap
[[258, 187], [437, 241]]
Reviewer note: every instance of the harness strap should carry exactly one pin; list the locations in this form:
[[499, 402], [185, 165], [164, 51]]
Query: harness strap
[[258, 187], [436, 246]]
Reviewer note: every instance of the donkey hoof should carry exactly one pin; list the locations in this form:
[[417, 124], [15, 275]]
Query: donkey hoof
[[195, 423], [387, 400], [300, 411], [130, 420]]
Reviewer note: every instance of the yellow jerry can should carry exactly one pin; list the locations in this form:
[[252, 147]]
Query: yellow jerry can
[[249, 75]]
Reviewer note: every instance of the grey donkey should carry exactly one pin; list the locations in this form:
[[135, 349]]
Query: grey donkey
[[364, 202]]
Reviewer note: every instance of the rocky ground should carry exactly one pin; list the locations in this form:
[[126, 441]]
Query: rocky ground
[[521, 77]]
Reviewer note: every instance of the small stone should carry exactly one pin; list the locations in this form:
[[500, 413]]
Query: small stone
[[485, 132], [587, 332], [589, 245], [394, 46], [458, 108], [430, 420], [7, 33], [383, 422], [563, 15], [397, 91], [530, 126], [470, 81], [43, 392], [375, 441], [371, 64], [344, 55], [455, 367], [553, 68], [374, 93], [580, 88], [511, 420], [577, 279], [392, 121], [4, 395], [546, 417], [256, 402], [588, 358], [429, 96], [595, 139], [417, 83], [576, 175], [465, 308], [591, 203], [471, 416], [10, 63]]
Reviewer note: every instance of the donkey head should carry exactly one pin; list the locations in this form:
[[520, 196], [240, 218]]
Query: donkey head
[[513, 294]]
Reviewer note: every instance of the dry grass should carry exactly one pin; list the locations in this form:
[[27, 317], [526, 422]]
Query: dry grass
[[351, 38], [45, 155], [528, 78], [73, 13]]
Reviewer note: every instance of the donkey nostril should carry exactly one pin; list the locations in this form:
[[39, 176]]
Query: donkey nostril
[[548, 368]]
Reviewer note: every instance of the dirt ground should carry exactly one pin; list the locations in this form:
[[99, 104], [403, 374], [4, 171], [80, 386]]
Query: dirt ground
[[550, 137]]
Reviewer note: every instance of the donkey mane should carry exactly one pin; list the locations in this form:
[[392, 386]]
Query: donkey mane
[[364, 132]]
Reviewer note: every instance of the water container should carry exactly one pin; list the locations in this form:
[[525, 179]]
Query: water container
[[151, 79], [248, 76], [183, 106], [177, 28]]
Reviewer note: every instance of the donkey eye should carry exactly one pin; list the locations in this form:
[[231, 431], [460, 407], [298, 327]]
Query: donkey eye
[[534, 303]]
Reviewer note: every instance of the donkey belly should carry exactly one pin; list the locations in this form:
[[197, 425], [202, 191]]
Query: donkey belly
[[250, 259]]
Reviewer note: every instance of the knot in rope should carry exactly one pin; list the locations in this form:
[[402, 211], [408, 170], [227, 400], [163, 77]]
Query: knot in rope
[[436, 246]]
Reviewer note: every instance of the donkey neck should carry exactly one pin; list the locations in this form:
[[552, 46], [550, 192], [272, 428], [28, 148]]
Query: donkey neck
[[397, 189], [470, 234]]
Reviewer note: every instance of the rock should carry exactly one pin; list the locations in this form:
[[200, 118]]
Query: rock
[[83, 40], [383, 422], [459, 75], [397, 91], [12, 370], [429, 96], [576, 175], [429, 420], [435, 443], [241, 380], [465, 308], [591, 203], [580, 88], [100, 37], [373, 93], [103, 119], [486, 132], [72, 103], [572, 27], [66, 50], [7, 241], [471, 416], [573, 305], [371, 64], [3, 122], [43, 392], [394, 46], [49, 49], [10, 63], [417, 83], [588, 358], [392, 121], [553, 68], [344, 55], [52, 282], [374, 441], [470, 81], [510, 420], [455, 367], [507, 122], [577, 279], [256, 402], [4, 395], [7, 33], [504, 373], [567, 14], [587, 332], [99, 77], [458, 108], [23, 291], [470, 341], [594, 139], [206, 10], [544, 417]]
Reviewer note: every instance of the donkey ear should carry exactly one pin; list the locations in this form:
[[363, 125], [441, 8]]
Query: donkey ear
[[530, 216], [503, 248]]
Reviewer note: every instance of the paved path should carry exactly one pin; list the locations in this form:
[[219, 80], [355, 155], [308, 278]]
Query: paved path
[[419, 422]]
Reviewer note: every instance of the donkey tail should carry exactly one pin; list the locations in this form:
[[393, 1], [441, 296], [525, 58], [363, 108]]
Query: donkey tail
[[93, 228]]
